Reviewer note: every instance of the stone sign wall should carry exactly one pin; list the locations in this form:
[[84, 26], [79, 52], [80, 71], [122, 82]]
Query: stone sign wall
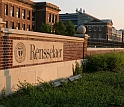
[[26, 55], [69, 48], [33, 52]]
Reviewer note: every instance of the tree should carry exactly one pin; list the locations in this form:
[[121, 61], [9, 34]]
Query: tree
[[60, 28], [45, 28], [70, 29], [64, 28]]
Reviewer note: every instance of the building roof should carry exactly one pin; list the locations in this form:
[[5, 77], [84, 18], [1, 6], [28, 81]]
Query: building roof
[[99, 21], [106, 20], [79, 13], [90, 18], [89, 15]]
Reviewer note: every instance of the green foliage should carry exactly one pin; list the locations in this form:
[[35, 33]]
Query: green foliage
[[105, 62], [26, 88], [2, 93], [59, 28], [64, 28], [99, 89], [45, 28], [70, 30], [77, 69]]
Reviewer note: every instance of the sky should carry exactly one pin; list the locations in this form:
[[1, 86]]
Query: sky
[[101, 9]]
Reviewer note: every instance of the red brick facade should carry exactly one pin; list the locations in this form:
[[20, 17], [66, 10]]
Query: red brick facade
[[99, 29], [71, 51], [28, 15], [17, 14]]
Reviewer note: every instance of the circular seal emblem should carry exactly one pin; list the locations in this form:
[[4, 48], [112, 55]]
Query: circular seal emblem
[[20, 52]]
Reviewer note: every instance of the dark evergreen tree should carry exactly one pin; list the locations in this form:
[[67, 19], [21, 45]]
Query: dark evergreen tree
[[45, 28], [64, 28], [70, 29], [60, 28]]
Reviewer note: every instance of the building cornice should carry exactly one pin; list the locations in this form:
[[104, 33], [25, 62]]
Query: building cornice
[[49, 5], [26, 2]]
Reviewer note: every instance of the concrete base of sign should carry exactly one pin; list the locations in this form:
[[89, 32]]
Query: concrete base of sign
[[10, 78]]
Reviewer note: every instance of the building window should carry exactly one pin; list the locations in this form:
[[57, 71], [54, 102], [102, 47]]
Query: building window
[[95, 28], [100, 28], [49, 17], [90, 34], [94, 35], [33, 16], [113, 37], [23, 26], [18, 13], [28, 27], [18, 26], [12, 25], [12, 11], [100, 35], [28, 15], [110, 37], [6, 9], [23, 14], [52, 18], [6, 24], [55, 18], [90, 28], [33, 28]]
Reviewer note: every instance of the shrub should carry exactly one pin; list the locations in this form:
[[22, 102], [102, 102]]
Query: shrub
[[78, 69], [99, 89], [3, 93], [26, 88], [105, 62]]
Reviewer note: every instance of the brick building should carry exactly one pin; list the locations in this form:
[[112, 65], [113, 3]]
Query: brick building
[[28, 15], [117, 35], [17, 14], [99, 29], [45, 12], [96, 28]]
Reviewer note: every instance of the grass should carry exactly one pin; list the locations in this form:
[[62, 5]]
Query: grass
[[98, 89]]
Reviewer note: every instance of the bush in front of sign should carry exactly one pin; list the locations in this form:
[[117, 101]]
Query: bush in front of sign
[[99, 89], [105, 62], [2, 93], [77, 69]]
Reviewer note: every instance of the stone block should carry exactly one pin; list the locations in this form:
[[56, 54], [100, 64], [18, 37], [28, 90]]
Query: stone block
[[1, 73], [64, 71], [46, 74], [14, 79]]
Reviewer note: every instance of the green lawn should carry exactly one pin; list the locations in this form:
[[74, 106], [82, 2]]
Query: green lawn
[[99, 89]]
